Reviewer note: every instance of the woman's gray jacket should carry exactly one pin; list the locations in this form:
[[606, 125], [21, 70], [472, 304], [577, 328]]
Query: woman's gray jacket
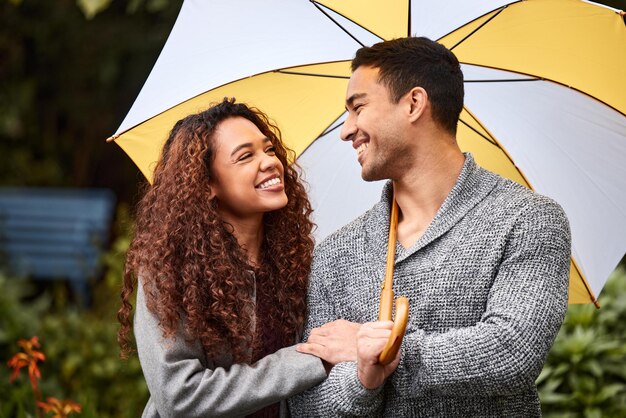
[[183, 382]]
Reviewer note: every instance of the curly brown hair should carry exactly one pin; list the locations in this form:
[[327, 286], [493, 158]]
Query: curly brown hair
[[191, 265]]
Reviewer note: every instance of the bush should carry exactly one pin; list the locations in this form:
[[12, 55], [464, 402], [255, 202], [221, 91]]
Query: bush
[[585, 375], [82, 355]]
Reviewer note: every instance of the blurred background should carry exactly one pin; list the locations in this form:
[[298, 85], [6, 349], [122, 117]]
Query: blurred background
[[69, 72]]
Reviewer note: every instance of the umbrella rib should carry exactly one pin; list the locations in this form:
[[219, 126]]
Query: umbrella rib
[[485, 137], [336, 23], [326, 131], [112, 138], [540, 78], [347, 18], [501, 80], [478, 28], [313, 75], [497, 144]]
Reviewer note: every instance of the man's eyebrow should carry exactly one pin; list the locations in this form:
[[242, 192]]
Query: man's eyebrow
[[247, 145], [350, 100]]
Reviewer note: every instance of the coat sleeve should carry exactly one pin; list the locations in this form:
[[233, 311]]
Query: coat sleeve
[[181, 385], [341, 394], [505, 351]]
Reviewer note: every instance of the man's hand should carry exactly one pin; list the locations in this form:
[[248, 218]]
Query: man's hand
[[371, 339], [333, 342]]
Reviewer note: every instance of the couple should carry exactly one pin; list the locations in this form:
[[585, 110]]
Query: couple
[[226, 279]]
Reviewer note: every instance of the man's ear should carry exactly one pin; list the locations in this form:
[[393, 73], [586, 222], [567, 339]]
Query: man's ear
[[418, 99]]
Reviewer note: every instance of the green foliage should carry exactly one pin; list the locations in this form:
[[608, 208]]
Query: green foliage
[[585, 375], [90, 8], [17, 320], [66, 83], [82, 355]]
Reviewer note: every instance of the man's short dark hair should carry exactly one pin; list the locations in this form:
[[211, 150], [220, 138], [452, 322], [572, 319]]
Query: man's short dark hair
[[411, 62]]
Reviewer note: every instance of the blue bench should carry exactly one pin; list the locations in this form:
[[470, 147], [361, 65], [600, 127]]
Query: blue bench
[[55, 233]]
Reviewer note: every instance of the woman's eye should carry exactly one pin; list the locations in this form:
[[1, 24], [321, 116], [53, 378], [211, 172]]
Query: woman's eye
[[244, 156], [271, 150]]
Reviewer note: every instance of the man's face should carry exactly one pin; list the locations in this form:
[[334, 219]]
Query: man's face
[[374, 125]]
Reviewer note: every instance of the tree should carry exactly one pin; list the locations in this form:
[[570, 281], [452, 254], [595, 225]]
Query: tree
[[70, 72]]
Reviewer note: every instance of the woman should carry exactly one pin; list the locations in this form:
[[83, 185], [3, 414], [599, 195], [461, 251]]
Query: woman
[[220, 260]]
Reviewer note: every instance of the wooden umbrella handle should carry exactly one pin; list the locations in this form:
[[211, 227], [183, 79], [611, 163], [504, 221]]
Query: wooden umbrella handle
[[386, 296], [397, 332]]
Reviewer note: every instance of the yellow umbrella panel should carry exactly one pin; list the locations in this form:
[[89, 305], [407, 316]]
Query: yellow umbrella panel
[[581, 45], [294, 94]]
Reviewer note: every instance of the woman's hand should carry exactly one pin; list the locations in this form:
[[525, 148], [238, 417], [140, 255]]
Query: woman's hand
[[333, 342]]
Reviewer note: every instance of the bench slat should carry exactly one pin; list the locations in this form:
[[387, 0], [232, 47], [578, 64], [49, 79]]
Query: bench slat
[[51, 233]]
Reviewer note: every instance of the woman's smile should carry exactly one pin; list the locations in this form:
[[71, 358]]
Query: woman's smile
[[273, 184]]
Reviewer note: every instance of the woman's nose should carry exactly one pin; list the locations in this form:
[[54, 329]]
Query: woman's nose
[[269, 162]]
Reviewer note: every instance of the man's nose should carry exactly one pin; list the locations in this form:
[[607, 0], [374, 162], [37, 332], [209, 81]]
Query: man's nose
[[348, 129]]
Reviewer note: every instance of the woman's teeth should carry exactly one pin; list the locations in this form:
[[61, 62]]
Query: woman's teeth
[[269, 183]]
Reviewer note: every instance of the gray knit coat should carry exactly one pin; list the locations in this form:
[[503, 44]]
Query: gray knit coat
[[487, 285]]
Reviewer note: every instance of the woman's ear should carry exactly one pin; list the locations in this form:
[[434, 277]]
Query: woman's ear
[[418, 99], [212, 188]]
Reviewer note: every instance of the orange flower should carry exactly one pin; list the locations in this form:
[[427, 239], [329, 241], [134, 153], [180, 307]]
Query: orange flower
[[28, 358], [60, 408]]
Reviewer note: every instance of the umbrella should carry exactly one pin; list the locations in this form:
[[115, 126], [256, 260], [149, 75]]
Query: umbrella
[[545, 98], [387, 295]]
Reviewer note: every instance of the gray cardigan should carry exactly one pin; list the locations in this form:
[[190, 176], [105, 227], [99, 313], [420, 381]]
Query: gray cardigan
[[183, 382], [487, 284]]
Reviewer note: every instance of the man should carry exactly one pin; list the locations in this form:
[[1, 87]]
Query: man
[[483, 261]]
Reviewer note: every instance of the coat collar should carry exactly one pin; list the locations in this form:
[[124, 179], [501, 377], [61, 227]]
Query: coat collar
[[472, 185]]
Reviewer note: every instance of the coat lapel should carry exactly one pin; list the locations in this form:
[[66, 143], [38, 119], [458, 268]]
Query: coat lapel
[[376, 231], [470, 188]]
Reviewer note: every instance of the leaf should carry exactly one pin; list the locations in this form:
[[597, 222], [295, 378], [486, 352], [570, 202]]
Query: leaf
[[594, 368], [91, 8], [562, 369], [592, 413], [610, 391], [551, 385], [555, 398], [546, 372]]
